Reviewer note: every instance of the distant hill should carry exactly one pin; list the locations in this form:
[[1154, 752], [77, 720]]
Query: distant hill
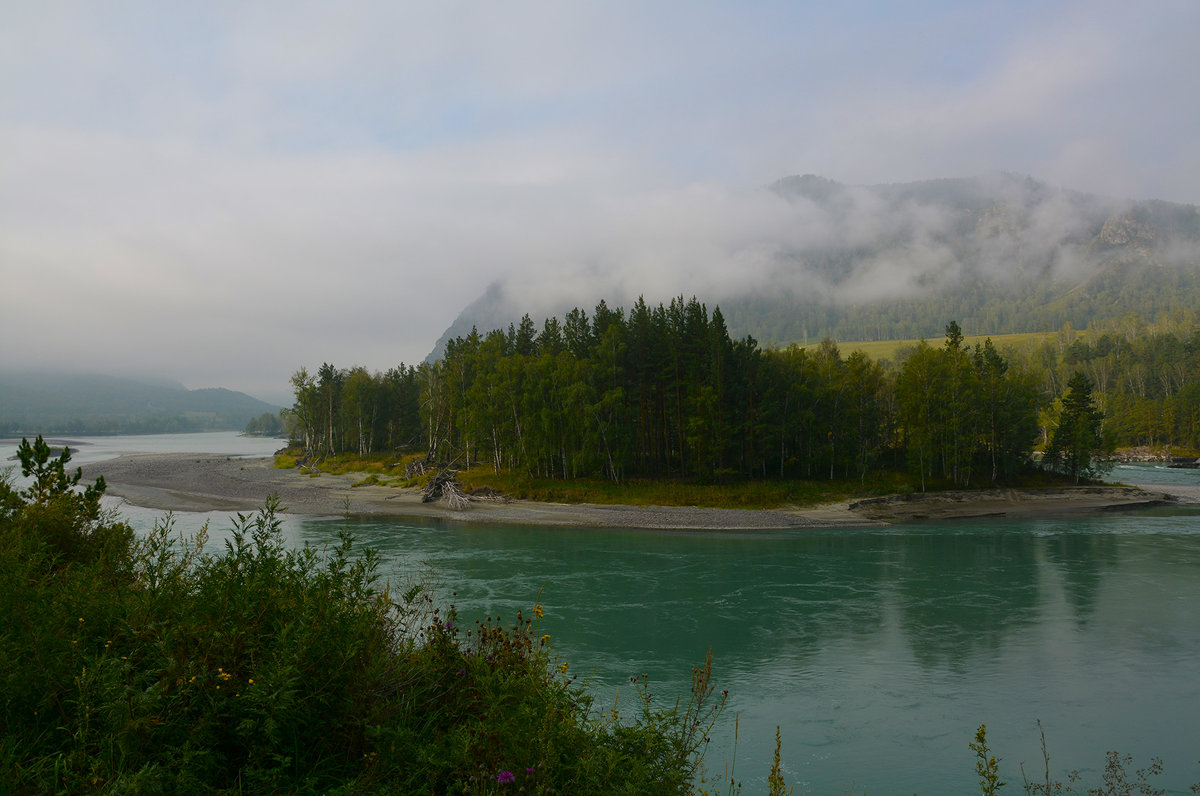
[[41, 403], [1001, 253]]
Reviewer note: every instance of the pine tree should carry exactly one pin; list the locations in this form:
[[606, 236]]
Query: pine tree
[[1077, 439]]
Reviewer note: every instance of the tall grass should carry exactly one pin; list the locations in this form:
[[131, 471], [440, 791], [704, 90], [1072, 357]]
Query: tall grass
[[648, 492]]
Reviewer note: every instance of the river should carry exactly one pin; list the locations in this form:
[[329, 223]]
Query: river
[[878, 652]]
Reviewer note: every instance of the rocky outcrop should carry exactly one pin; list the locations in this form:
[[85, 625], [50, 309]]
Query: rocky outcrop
[[1122, 230]]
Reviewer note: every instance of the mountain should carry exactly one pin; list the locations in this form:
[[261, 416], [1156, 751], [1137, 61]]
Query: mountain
[[999, 253], [43, 403]]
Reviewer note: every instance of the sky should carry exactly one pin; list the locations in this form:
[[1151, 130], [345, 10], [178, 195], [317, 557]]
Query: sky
[[223, 192]]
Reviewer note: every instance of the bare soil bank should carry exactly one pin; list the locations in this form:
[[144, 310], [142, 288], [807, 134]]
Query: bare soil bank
[[197, 482]]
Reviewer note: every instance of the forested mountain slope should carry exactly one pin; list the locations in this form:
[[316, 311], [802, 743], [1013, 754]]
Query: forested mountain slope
[[32, 403], [1001, 253]]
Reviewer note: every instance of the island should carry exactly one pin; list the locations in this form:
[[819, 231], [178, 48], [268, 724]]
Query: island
[[199, 482]]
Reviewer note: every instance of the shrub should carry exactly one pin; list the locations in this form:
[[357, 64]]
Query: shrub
[[148, 665]]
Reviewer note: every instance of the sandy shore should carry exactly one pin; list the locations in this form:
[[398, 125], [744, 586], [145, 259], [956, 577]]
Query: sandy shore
[[199, 482]]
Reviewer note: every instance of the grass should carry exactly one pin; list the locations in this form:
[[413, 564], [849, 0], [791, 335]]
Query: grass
[[633, 492], [737, 494], [342, 463], [647, 492], [892, 349]]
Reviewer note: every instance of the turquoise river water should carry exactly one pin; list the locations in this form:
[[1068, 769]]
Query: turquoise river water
[[878, 652]]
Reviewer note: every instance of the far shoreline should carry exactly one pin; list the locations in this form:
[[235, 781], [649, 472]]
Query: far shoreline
[[212, 482]]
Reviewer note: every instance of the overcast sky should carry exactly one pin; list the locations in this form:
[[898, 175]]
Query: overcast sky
[[221, 192]]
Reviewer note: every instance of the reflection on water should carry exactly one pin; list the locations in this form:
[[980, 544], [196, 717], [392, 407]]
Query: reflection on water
[[878, 652]]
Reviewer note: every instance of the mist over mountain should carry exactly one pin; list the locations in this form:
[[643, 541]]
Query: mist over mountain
[[43, 403], [808, 257]]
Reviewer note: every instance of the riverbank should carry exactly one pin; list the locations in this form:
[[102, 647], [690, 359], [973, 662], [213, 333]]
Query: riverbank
[[199, 482]]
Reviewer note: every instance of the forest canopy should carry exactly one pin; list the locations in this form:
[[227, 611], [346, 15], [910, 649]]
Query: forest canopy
[[665, 392]]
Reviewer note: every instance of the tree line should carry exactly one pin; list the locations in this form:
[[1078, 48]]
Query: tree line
[[665, 392], [1146, 376]]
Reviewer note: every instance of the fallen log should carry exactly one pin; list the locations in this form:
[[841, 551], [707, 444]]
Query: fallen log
[[440, 485], [445, 486]]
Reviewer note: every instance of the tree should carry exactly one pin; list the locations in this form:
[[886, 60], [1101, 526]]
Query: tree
[[50, 477], [1077, 439], [303, 416], [917, 394]]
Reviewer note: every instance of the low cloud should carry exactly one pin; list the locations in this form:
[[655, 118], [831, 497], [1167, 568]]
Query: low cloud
[[223, 193]]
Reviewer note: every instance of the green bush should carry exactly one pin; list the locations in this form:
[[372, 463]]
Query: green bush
[[146, 665]]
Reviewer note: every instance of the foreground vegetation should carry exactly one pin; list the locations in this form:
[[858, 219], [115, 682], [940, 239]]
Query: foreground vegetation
[[147, 665]]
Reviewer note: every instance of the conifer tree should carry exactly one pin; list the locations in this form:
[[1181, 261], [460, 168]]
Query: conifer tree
[[1077, 440]]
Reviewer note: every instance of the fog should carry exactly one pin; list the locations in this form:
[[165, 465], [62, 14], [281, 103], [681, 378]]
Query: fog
[[814, 240], [224, 193]]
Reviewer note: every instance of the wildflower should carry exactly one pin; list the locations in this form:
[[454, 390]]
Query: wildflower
[[505, 777], [528, 770], [538, 612], [546, 638], [563, 667]]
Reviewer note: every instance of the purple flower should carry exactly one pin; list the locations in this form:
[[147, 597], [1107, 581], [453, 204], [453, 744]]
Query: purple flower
[[462, 671], [449, 626], [529, 771], [505, 777]]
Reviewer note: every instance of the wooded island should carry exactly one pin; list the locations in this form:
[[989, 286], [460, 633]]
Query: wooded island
[[663, 392]]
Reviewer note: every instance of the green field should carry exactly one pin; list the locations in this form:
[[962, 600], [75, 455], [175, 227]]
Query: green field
[[890, 349]]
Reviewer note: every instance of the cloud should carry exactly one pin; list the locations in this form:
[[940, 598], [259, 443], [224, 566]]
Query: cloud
[[224, 192]]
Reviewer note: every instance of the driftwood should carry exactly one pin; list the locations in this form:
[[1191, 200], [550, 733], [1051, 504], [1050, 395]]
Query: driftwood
[[414, 468], [444, 486], [487, 493], [309, 462], [454, 496], [433, 490]]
